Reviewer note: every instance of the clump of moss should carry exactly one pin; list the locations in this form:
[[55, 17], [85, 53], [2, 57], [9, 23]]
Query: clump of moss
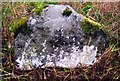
[[17, 23], [67, 12], [88, 28]]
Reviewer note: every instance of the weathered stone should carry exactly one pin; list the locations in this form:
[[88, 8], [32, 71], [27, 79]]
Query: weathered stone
[[56, 40]]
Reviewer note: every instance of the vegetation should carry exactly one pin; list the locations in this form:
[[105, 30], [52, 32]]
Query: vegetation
[[107, 68], [17, 23], [67, 12]]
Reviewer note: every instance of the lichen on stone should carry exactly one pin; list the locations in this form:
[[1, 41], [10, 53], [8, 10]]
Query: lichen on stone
[[56, 40]]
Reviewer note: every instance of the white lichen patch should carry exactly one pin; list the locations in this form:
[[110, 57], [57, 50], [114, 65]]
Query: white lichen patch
[[71, 60], [88, 55]]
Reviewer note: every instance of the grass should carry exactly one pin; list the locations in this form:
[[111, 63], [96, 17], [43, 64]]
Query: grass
[[107, 68]]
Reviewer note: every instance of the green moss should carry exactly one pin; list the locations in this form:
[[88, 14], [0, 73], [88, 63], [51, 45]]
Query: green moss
[[67, 12], [17, 23], [88, 27], [92, 22]]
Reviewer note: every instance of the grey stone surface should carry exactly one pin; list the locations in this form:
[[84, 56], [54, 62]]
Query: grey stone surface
[[53, 39]]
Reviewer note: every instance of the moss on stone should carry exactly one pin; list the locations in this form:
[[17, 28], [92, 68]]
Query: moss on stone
[[67, 12], [17, 23], [89, 26]]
